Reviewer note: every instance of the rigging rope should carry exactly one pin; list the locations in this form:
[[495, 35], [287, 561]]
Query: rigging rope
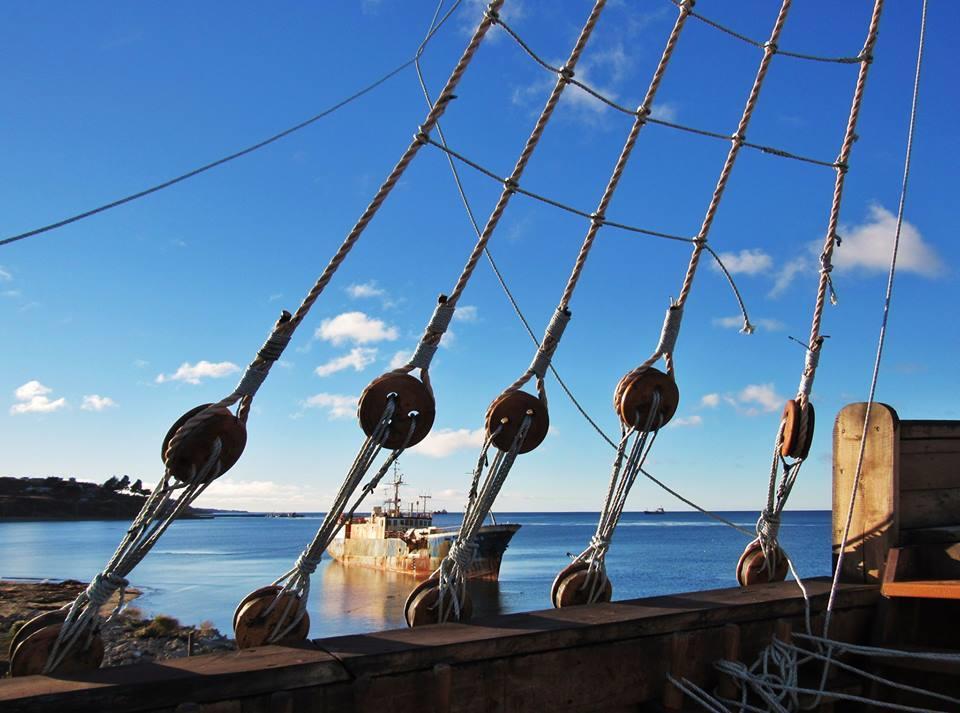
[[529, 330], [203, 429], [800, 412], [294, 586], [773, 151], [237, 154], [660, 404], [455, 566]]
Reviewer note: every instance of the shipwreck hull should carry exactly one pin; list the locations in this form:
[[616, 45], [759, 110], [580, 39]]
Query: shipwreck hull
[[422, 557]]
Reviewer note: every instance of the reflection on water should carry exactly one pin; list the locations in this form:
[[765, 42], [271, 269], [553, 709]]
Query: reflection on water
[[376, 598], [201, 569]]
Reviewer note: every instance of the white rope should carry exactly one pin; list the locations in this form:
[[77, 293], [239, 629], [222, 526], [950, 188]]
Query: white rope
[[296, 581], [161, 508], [625, 471], [455, 567]]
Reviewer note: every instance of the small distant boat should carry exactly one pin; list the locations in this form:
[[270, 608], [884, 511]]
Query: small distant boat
[[284, 514], [440, 512], [658, 511]]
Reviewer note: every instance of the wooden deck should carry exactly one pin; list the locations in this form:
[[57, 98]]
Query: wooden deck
[[607, 657]]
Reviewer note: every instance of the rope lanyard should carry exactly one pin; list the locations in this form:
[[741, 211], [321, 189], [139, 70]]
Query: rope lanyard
[[202, 430], [640, 426], [455, 566], [795, 431]]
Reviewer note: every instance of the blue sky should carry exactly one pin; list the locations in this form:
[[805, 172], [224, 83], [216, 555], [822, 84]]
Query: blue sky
[[114, 326]]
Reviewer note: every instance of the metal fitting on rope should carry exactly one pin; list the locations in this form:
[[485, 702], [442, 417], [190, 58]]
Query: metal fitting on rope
[[566, 73], [642, 112], [551, 338], [687, 4], [841, 166], [492, 14], [837, 239], [272, 349], [511, 184], [738, 138], [810, 369], [770, 47], [99, 591], [598, 219], [421, 137], [251, 381], [670, 331]]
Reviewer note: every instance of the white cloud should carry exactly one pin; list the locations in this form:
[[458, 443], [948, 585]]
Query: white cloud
[[447, 441], [258, 496], [465, 313], [694, 420], [736, 322], [745, 262], [448, 339], [759, 396], [400, 359], [365, 289], [5, 275], [710, 400], [336, 405], [355, 327], [194, 373], [34, 398], [786, 274], [665, 111], [94, 402], [868, 246], [359, 359]]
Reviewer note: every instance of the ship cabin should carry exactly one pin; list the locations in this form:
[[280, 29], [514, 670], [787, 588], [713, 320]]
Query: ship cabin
[[386, 523]]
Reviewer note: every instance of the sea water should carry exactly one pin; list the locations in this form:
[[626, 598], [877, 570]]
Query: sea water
[[200, 569]]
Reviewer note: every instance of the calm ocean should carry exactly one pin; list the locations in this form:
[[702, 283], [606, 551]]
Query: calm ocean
[[200, 569]]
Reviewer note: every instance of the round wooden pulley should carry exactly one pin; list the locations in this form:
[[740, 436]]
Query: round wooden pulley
[[509, 409], [193, 451], [798, 426], [270, 589], [254, 624], [413, 399], [637, 397], [30, 655], [574, 583], [57, 616], [422, 607], [751, 568]]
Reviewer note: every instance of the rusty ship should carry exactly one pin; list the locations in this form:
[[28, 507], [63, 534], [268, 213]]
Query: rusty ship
[[396, 540]]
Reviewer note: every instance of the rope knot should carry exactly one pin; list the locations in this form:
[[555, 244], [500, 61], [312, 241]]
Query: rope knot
[[841, 166], [492, 14], [597, 218], [102, 587], [566, 73], [737, 139], [421, 137], [747, 327], [511, 184], [305, 565], [462, 554], [643, 111], [770, 46], [599, 545]]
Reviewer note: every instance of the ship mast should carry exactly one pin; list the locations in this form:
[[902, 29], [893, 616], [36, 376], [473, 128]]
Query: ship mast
[[397, 482]]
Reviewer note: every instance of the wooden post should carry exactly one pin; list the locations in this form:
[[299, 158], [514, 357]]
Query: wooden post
[[680, 651], [875, 525], [731, 652]]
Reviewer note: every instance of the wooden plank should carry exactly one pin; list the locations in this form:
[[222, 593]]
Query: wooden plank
[[919, 429], [155, 685], [925, 471], [875, 525], [923, 589], [930, 508]]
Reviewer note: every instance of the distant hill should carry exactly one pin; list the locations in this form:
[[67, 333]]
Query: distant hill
[[54, 498]]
